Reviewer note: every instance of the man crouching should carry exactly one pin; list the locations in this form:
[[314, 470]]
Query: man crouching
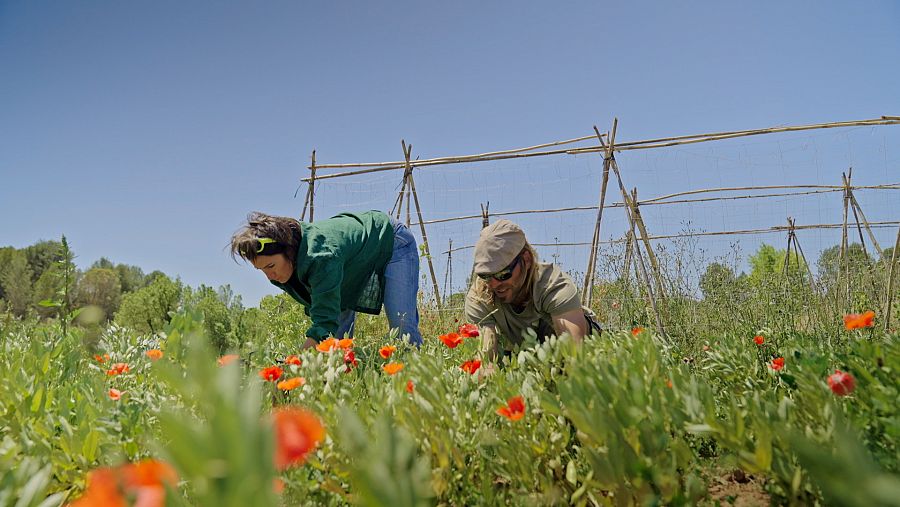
[[513, 292]]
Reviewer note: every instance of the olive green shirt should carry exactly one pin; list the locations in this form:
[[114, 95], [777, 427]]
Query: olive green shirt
[[554, 293], [340, 265]]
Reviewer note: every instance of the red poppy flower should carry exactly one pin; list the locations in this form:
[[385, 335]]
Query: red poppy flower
[[297, 432], [386, 351], [271, 374], [392, 368], [154, 354], [292, 359], [350, 359], [227, 359], [410, 386], [115, 394], [142, 483], [759, 339], [777, 363], [291, 383], [858, 321], [636, 331], [101, 359], [514, 409], [451, 340], [118, 369], [669, 383], [471, 366], [468, 330], [841, 383]]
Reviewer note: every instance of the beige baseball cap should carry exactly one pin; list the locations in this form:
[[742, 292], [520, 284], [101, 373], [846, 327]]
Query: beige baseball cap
[[497, 246]]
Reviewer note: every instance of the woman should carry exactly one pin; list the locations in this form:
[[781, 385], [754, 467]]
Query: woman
[[351, 262]]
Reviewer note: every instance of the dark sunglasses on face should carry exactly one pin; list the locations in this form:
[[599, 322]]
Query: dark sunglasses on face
[[505, 273]]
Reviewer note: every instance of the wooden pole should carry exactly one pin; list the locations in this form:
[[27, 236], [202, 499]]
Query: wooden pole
[[412, 186], [587, 292], [651, 255], [629, 246], [637, 251], [858, 208], [787, 257], [307, 202], [812, 280], [890, 287], [845, 246]]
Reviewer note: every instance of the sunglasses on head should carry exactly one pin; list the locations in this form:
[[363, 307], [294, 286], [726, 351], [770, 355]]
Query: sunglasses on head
[[505, 273], [268, 246]]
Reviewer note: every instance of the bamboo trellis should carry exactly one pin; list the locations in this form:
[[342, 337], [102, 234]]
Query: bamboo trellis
[[608, 146]]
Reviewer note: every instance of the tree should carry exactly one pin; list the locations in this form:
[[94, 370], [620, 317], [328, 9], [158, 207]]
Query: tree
[[15, 278], [829, 263], [148, 309], [767, 265], [54, 290], [41, 256], [100, 287]]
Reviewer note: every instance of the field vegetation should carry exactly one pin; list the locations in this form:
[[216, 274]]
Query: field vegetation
[[775, 386]]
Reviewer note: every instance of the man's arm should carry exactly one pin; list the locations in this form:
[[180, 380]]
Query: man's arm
[[489, 343], [572, 322]]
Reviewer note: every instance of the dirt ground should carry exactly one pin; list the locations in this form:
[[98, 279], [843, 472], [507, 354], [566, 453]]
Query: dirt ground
[[737, 489]]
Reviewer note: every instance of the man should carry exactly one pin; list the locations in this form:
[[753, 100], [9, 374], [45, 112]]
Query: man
[[513, 292]]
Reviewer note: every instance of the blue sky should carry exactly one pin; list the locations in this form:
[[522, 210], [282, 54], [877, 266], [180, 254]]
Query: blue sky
[[145, 132]]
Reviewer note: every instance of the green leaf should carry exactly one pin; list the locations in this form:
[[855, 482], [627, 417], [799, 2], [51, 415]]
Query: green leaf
[[49, 303]]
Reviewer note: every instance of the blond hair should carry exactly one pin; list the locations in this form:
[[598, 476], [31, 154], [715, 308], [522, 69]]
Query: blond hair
[[482, 291]]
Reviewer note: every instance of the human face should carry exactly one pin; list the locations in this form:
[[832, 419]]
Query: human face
[[510, 290], [276, 267]]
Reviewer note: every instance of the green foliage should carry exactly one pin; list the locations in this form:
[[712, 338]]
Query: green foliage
[[100, 287], [149, 309], [15, 280]]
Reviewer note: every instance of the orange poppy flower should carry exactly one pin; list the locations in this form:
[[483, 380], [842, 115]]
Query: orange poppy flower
[[154, 354], [297, 432], [272, 373], [759, 339], [142, 483], [859, 320], [669, 383], [410, 387], [118, 369], [471, 366], [227, 359], [451, 340], [291, 383], [292, 359], [386, 351], [636, 331], [345, 343], [468, 330], [392, 368], [514, 409], [101, 359], [777, 364], [327, 345], [115, 394]]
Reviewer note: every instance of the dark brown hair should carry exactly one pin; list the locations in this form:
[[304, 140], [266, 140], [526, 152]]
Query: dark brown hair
[[285, 231]]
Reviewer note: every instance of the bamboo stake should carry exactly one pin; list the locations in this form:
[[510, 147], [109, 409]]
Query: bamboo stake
[[629, 245], [651, 255], [312, 185], [779, 229], [643, 144], [587, 291], [858, 208], [790, 237], [812, 280], [845, 245], [890, 288], [637, 251], [308, 188], [412, 186]]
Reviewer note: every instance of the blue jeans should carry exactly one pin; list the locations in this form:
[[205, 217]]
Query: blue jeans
[[401, 285]]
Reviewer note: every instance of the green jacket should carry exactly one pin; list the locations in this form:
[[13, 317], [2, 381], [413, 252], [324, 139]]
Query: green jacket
[[340, 265]]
